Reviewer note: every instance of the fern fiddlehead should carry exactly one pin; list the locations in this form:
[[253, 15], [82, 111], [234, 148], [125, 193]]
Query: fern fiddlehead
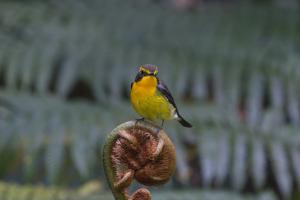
[[141, 151]]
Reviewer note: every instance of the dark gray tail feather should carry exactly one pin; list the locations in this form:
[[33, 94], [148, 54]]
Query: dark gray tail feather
[[183, 122]]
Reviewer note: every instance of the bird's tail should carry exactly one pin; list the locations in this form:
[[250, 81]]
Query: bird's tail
[[183, 122]]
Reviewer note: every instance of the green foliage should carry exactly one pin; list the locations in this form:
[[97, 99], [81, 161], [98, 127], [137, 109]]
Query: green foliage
[[10, 191], [237, 67]]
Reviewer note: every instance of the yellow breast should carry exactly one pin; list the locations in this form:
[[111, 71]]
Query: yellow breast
[[149, 102]]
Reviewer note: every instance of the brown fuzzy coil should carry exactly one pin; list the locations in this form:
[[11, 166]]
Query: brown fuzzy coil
[[144, 155]]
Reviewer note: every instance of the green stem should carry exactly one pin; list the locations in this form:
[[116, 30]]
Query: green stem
[[107, 151]]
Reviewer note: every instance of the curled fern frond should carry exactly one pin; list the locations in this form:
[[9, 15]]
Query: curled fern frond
[[141, 151]]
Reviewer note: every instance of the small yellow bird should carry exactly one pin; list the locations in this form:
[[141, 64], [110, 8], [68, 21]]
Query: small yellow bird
[[152, 99]]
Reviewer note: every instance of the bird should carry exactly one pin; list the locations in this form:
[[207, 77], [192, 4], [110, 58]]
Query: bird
[[152, 99]]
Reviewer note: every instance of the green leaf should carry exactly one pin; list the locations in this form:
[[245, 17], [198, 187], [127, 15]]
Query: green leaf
[[281, 169], [254, 100], [239, 168], [55, 149], [258, 164]]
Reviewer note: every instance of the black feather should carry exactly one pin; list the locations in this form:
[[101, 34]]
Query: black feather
[[183, 122], [165, 91]]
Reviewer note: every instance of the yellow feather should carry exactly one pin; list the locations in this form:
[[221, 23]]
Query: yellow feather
[[149, 102]]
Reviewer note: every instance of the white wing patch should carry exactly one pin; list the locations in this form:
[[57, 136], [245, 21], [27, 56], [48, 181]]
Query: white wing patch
[[174, 113]]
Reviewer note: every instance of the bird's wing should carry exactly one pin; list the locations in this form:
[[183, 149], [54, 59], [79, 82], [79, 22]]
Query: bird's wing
[[165, 91], [131, 85]]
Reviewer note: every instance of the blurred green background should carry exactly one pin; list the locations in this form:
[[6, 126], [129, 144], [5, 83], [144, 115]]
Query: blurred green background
[[232, 66]]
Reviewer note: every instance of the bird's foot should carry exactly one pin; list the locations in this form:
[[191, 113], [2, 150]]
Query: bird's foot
[[162, 124], [158, 127], [139, 120]]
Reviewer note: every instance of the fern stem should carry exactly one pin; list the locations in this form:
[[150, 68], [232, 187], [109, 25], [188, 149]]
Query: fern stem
[[108, 167]]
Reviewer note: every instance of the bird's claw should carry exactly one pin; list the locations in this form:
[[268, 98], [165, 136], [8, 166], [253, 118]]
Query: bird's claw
[[139, 120]]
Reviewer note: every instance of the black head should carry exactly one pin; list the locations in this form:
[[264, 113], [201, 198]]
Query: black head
[[146, 70]]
